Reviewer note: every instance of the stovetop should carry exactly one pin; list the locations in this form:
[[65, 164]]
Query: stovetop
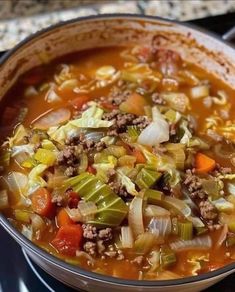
[[19, 274]]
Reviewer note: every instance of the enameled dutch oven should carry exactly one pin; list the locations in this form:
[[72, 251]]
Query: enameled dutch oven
[[194, 45]]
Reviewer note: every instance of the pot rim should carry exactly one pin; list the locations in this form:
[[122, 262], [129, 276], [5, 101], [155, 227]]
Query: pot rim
[[26, 243]]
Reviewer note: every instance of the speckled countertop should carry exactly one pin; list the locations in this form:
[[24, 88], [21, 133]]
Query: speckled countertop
[[19, 18]]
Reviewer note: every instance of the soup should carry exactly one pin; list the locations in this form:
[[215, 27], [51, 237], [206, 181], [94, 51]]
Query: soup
[[121, 161]]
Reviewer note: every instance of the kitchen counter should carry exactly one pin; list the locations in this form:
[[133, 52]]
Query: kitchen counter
[[18, 19]]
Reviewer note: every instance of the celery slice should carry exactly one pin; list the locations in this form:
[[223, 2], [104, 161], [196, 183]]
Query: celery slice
[[133, 132], [153, 196], [146, 178], [167, 258], [185, 230]]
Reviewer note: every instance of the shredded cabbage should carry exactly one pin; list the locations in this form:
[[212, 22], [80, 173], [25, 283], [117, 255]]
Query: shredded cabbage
[[187, 134], [127, 183], [91, 118], [27, 148], [35, 180], [19, 134]]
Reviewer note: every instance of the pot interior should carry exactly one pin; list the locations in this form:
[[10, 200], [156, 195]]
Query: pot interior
[[193, 45]]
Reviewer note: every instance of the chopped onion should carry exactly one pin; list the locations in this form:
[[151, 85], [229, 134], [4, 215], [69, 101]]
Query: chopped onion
[[153, 211], [4, 200], [154, 133], [135, 216], [87, 210], [52, 96], [94, 136], [74, 214], [145, 242], [177, 204], [223, 205], [52, 118], [69, 84], [154, 260], [197, 222], [222, 237], [127, 239], [199, 91], [27, 232], [160, 226], [17, 182], [30, 91], [177, 101], [203, 242], [231, 188], [105, 72], [37, 223]]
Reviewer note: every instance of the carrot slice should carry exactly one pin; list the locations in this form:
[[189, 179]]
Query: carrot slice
[[68, 239], [79, 101], [139, 156], [42, 204], [134, 104], [204, 163], [63, 218]]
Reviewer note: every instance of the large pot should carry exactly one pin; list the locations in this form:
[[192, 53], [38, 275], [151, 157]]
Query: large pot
[[194, 46]]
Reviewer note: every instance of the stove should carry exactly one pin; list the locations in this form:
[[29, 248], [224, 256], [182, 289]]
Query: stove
[[19, 274]]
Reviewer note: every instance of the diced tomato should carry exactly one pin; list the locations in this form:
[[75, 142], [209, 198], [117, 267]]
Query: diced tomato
[[42, 204], [68, 239], [91, 169], [79, 101], [63, 218], [73, 199], [108, 105]]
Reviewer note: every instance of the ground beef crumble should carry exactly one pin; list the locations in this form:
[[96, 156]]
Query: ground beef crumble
[[157, 99], [207, 210], [194, 185], [220, 170], [122, 120], [86, 144], [97, 241], [118, 189], [68, 156], [89, 231], [117, 94]]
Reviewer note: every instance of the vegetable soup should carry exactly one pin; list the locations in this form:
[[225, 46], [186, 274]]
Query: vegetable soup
[[121, 161]]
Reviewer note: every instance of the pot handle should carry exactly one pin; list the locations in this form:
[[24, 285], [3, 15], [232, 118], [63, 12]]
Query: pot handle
[[229, 35]]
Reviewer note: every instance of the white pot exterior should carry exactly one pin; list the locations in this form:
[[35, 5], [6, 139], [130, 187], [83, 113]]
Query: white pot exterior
[[193, 45]]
